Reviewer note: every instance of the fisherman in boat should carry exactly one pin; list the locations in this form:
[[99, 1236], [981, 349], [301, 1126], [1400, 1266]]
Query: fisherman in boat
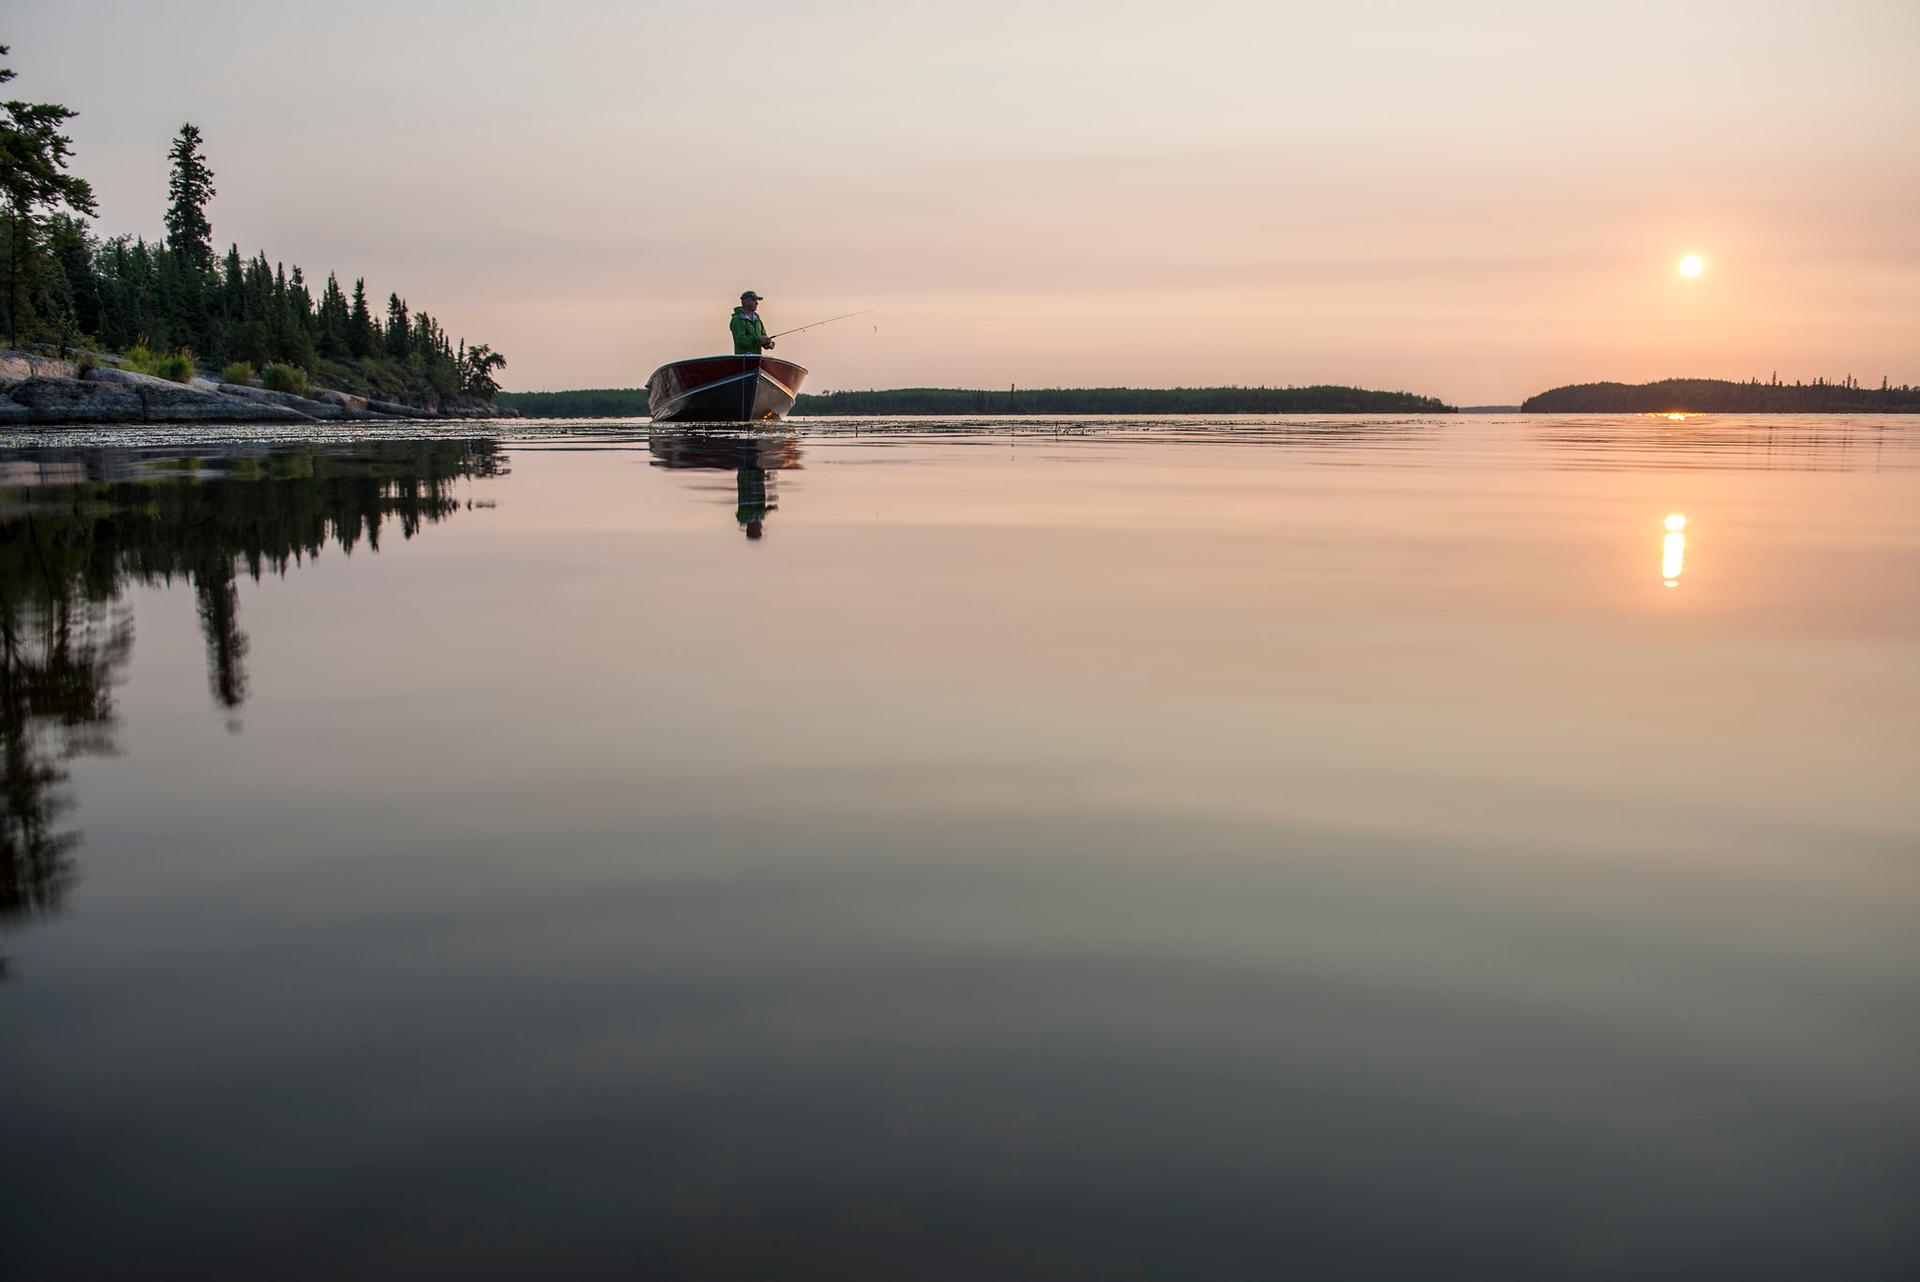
[[749, 331]]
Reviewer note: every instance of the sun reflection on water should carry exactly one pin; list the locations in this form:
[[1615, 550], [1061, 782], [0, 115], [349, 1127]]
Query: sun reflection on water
[[1673, 550]]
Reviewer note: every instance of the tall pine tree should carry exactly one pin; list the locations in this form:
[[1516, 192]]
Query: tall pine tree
[[189, 188]]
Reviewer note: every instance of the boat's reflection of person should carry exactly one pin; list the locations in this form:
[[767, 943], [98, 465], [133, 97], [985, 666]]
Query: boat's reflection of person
[[756, 500], [753, 458]]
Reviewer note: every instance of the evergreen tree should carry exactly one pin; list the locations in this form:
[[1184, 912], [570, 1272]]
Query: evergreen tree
[[330, 324], [360, 323], [189, 188], [398, 345], [118, 292], [477, 374], [33, 160], [297, 304], [298, 297], [182, 318], [72, 251], [147, 302]]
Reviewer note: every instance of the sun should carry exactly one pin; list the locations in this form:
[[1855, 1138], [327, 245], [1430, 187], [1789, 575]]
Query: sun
[[1692, 265]]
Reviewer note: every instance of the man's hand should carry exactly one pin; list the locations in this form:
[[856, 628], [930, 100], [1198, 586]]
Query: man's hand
[[769, 343]]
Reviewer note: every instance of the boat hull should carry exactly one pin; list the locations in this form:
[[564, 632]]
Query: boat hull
[[724, 389]]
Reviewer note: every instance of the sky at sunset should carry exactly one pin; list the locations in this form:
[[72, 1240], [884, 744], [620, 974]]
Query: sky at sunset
[[1475, 201]]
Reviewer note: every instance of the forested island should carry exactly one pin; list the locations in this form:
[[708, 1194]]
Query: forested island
[[1723, 396], [631, 402], [173, 309]]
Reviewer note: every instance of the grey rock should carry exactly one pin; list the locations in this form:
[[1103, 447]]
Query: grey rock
[[395, 409], [346, 400], [73, 400], [164, 401], [175, 403], [12, 412], [311, 408]]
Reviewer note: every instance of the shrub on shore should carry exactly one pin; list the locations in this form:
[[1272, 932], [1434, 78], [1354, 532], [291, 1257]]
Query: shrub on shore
[[285, 378], [240, 372], [178, 366], [142, 359]]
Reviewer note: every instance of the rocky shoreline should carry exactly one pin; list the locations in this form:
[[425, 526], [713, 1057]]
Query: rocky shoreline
[[41, 391]]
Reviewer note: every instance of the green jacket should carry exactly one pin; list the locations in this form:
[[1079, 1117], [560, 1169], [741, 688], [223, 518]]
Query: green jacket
[[749, 333]]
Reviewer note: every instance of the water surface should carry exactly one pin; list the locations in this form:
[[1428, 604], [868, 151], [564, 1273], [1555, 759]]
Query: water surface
[[1478, 847]]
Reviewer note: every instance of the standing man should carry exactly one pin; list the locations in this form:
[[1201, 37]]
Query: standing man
[[749, 331]]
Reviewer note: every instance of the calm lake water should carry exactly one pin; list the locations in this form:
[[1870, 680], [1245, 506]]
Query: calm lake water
[[1095, 849]]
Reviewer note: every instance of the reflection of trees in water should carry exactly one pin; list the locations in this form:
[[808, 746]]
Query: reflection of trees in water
[[59, 662], [752, 458], [218, 595], [1736, 442], [77, 529]]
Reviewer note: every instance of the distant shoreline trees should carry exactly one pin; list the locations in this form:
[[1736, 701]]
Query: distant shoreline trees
[[631, 402], [1724, 396], [65, 287], [1322, 399]]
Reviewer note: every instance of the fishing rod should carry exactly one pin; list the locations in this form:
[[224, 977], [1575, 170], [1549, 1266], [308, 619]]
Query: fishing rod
[[828, 321]]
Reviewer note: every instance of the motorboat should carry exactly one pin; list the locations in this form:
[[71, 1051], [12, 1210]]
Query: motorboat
[[724, 389]]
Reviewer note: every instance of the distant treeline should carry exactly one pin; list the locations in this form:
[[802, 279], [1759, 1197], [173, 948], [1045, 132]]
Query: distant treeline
[[1721, 396], [1123, 400], [946, 401], [586, 402]]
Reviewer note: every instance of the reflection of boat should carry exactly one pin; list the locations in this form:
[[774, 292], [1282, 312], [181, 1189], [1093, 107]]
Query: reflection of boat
[[724, 389], [723, 451], [751, 456]]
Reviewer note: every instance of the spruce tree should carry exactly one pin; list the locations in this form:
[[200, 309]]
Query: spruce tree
[[331, 322], [300, 300], [73, 251], [189, 188], [146, 284], [360, 325], [398, 344]]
